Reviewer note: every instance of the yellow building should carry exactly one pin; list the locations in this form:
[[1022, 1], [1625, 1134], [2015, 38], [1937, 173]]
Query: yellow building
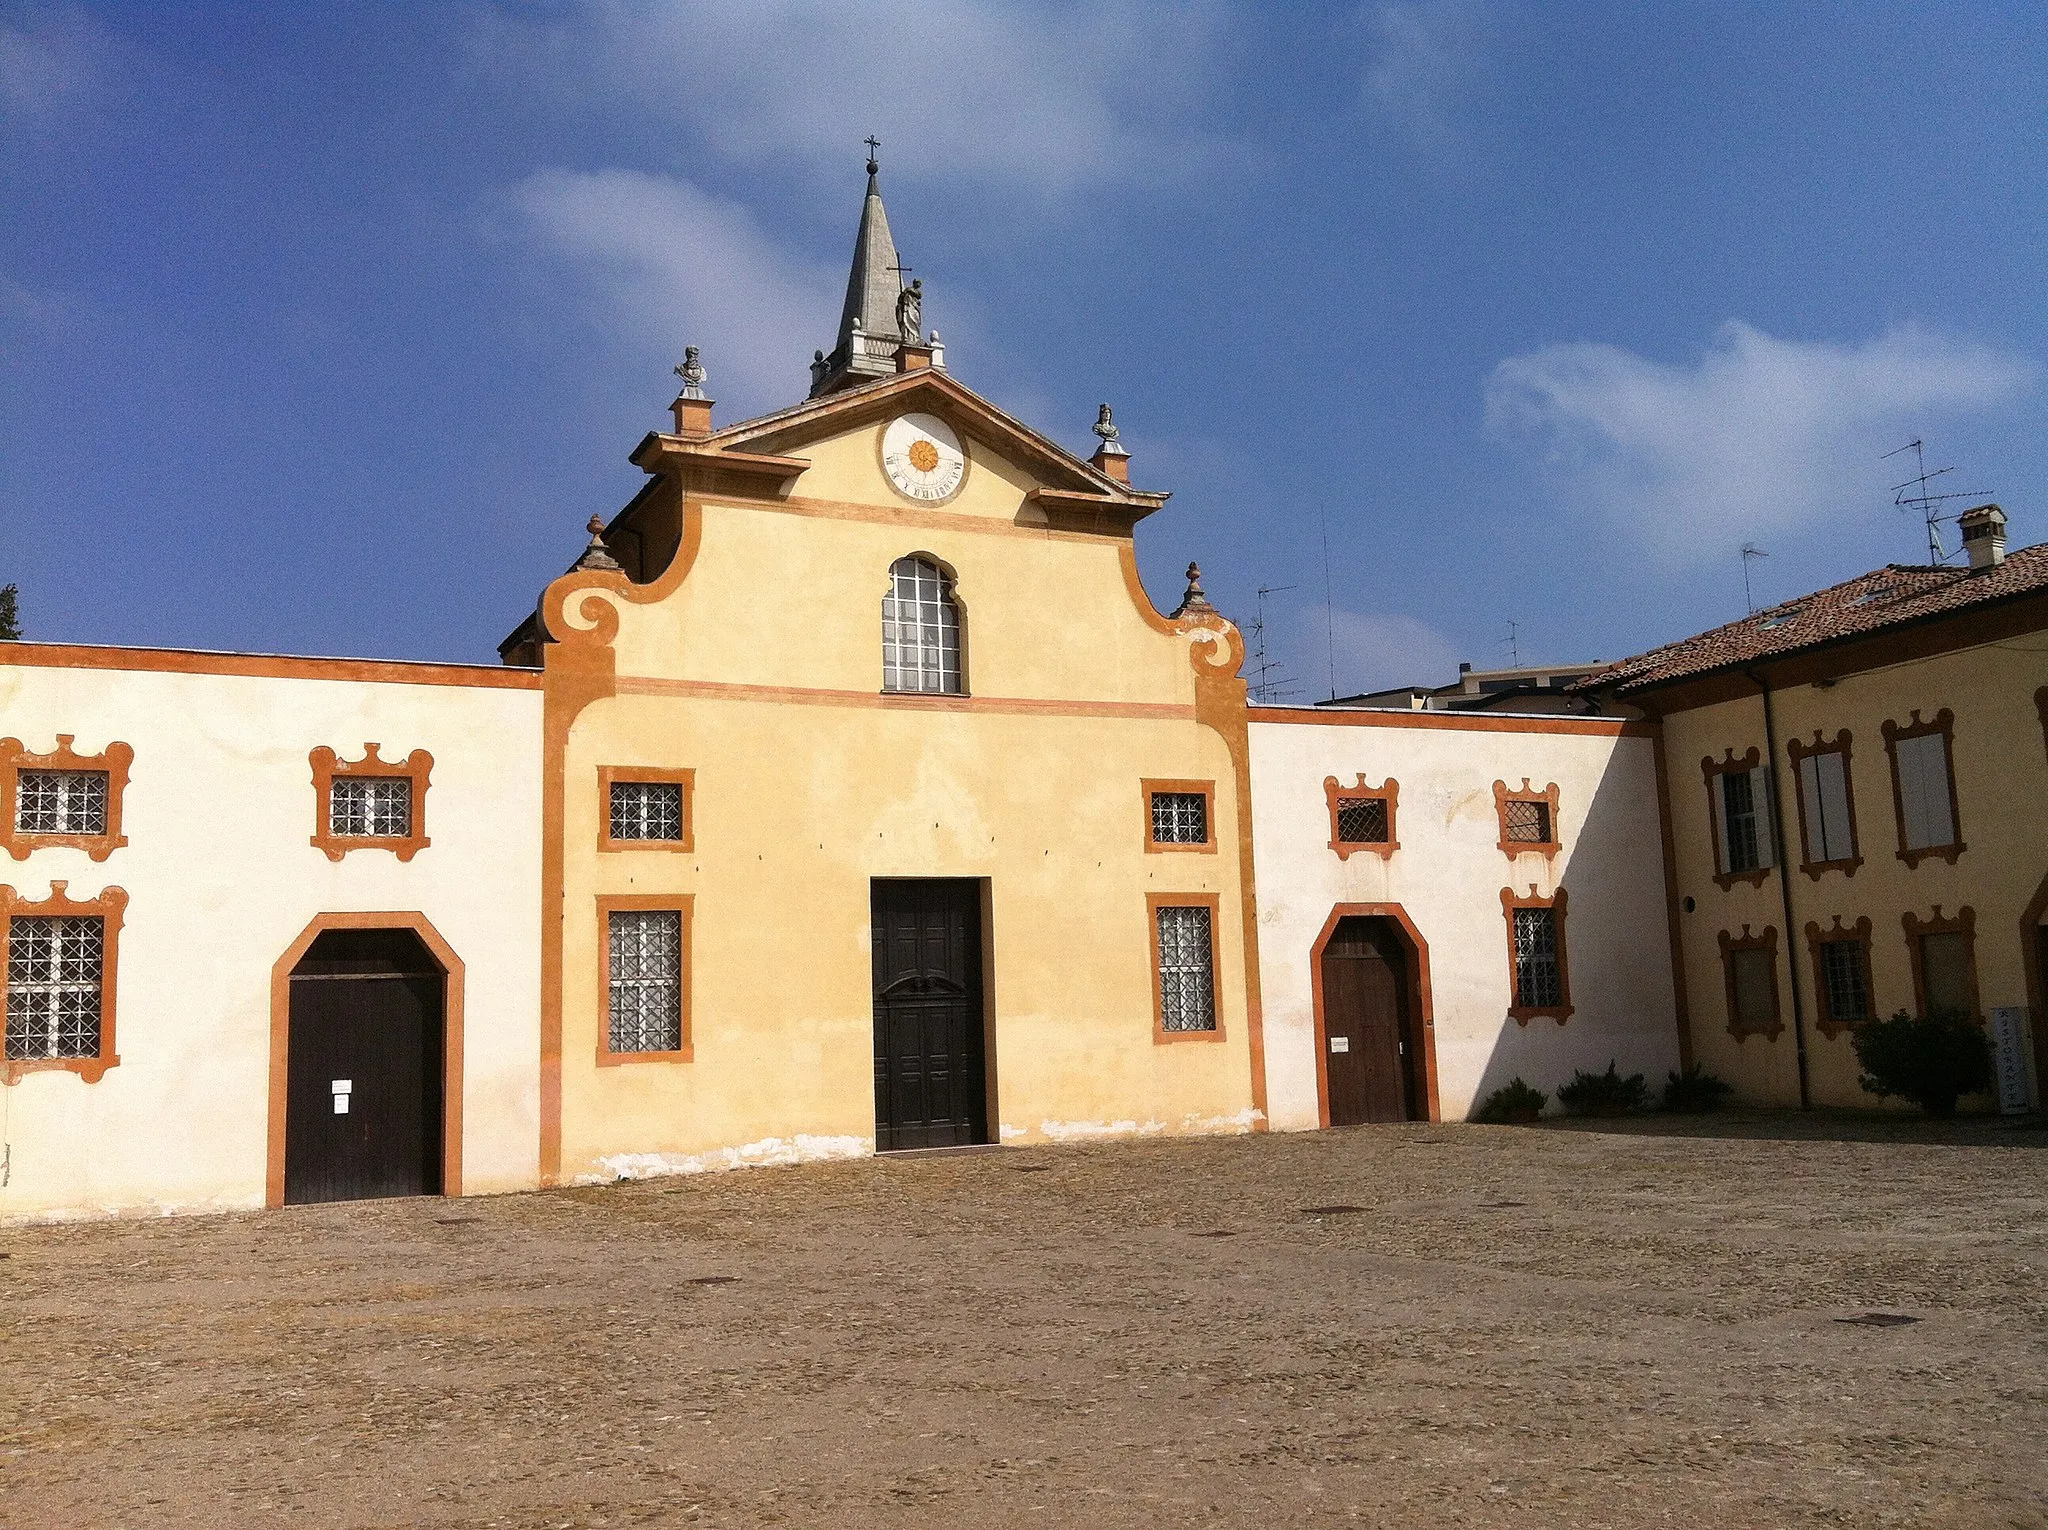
[[1857, 817], [880, 807]]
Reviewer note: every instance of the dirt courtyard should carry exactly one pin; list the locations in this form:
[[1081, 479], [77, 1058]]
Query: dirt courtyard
[[1390, 1326]]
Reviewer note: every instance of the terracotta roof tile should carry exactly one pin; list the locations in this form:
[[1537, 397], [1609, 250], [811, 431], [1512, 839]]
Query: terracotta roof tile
[[1887, 597]]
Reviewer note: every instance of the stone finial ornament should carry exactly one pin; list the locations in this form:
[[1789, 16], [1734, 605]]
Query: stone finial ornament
[[1105, 428], [1194, 602], [692, 373], [596, 557]]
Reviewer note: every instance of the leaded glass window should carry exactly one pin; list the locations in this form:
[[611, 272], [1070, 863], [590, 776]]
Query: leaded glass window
[[645, 981], [1528, 823], [61, 802], [1187, 969], [370, 807], [1539, 984], [647, 810], [920, 630], [54, 967], [1841, 969], [1180, 818], [1362, 820]]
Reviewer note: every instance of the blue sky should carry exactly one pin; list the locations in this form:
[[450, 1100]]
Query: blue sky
[[325, 328]]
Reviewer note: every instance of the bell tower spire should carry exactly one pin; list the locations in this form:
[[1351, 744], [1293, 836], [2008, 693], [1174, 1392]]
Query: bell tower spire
[[878, 303]]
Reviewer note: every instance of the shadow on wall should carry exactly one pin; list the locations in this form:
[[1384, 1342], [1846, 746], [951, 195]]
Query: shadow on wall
[[1617, 949]]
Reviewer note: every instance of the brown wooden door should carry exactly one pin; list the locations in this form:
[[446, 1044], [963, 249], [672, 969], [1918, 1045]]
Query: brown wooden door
[[363, 1079], [1368, 1049], [931, 1082]]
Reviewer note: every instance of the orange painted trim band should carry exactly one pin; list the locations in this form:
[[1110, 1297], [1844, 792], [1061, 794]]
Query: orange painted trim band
[[1458, 722], [904, 701], [453, 973], [266, 666]]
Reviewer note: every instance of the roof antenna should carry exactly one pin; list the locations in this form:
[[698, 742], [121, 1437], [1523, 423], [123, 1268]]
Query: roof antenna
[[1270, 682], [1927, 503], [1329, 618], [1750, 553], [1513, 644]]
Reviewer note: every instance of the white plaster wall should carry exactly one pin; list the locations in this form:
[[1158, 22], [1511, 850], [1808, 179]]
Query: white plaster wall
[[1448, 875], [221, 879]]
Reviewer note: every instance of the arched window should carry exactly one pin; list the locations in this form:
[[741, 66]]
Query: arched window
[[920, 629]]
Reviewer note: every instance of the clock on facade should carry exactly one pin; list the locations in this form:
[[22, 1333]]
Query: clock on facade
[[923, 457]]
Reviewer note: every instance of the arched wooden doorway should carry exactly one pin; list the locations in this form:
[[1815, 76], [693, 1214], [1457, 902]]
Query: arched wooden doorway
[[1374, 1033], [366, 1062]]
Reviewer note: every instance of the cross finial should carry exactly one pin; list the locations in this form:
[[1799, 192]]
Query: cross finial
[[874, 147]]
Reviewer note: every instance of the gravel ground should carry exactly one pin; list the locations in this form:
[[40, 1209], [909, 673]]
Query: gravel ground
[[1428, 1325]]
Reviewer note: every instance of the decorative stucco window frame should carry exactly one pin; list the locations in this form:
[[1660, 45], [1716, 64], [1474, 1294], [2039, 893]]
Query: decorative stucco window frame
[[682, 904], [1964, 923], [1799, 751], [1388, 791], [109, 904], [328, 767], [1206, 790], [1561, 1011], [1816, 937], [1712, 770], [1730, 944], [113, 761], [1213, 902], [1503, 794], [1944, 723], [634, 775]]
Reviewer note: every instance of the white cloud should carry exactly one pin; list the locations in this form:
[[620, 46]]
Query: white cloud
[[1423, 58], [672, 265], [49, 59], [1374, 650], [1045, 99], [1759, 436]]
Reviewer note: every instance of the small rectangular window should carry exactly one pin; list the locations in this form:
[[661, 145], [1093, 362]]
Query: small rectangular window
[[1538, 979], [61, 802], [644, 980], [54, 967], [1186, 968], [1528, 823], [1824, 793], [1844, 988], [647, 810], [1362, 820], [1924, 791], [370, 807]]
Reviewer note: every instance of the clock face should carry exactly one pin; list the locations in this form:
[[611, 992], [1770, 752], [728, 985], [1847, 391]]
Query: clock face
[[922, 457]]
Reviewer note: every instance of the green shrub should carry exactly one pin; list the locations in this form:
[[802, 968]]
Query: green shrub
[[1603, 1094], [1514, 1102], [1694, 1090], [1929, 1061]]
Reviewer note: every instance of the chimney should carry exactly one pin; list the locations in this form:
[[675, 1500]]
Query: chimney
[[1110, 457], [1984, 536], [692, 409]]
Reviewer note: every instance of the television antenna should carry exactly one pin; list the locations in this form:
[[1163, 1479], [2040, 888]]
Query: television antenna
[[1513, 644], [1750, 553], [1923, 498], [1270, 682]]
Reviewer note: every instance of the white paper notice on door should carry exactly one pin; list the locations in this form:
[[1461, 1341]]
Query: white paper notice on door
[[343, 1088], [1340, 1043]]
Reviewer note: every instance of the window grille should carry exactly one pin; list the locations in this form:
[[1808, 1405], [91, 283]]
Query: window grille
[[370, 807], [1180, 818], [1187, 970], [54, 965], [61, 802], [647, 810], [1841, 967], [1528, 823], [646, 980], [920, 630], [1362, 820], [1538, 983]]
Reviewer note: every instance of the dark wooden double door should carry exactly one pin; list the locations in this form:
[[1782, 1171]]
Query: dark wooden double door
[[364, 1073], [931, 1073], [1371, 1046]]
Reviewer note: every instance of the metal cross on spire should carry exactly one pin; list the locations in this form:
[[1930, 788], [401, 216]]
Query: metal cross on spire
[[874, 147]]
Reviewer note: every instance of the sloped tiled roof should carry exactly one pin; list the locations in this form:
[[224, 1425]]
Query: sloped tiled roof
[[1891, 596]]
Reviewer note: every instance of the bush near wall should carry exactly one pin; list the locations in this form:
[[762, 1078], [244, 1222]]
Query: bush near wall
[[1931, 1060]]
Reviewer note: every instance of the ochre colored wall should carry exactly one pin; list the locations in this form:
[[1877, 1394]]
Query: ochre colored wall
[[221, 880], [762, 672], [1447, 876], [2001, 779]]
